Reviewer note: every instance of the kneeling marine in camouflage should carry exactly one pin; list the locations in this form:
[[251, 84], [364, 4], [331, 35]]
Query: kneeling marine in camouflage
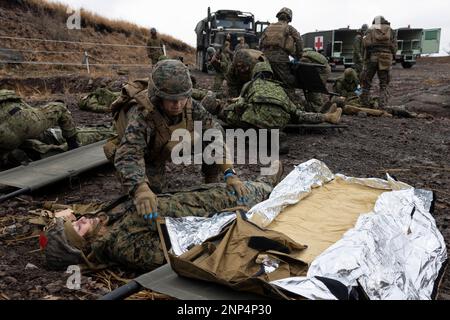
[[264, 104]]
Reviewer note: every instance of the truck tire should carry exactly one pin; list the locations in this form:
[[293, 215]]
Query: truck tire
[[407, 65]]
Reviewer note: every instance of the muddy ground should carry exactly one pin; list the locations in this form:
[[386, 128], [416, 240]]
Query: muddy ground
[[416, 151]]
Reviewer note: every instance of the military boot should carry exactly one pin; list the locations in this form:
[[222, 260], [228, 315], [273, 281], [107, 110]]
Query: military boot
[[365, 98], [274, 179], [72, 143], [333, 117]]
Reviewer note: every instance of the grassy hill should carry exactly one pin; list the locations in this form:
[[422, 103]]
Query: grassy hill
[[40, 19]]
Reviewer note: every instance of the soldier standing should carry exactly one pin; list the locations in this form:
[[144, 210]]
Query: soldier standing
[[220, 63], [153, 115], [279, 41], [155, 46], [358, 49], [380, 45], [241, 45], [227, 47]]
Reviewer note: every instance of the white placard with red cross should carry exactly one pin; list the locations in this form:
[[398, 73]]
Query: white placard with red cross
[[318, 43]]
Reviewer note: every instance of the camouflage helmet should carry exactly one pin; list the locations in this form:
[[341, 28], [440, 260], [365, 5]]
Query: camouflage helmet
[[262, 67], [364, 27], [350, 74], [211, 51], [380, 20], [287, 12], [170, 79]]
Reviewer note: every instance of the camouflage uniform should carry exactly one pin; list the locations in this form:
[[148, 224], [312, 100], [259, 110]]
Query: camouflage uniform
[[264, 104], [241, 46], [279, 41], [358, 50], [226, 49], [51, 142], [240, 71], [314, 100], [347, 84], [145, 146], [133, 243], [155, 48], [98, 101], [220, 63], [378, 59], [19, 121]]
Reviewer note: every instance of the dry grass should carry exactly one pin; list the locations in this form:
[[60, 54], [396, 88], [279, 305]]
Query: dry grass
[[99, 23], [47, 20]]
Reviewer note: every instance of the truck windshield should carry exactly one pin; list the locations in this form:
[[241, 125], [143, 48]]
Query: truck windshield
[[235, 23]]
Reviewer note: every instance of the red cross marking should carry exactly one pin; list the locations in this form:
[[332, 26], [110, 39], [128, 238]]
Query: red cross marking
[[318, 43]]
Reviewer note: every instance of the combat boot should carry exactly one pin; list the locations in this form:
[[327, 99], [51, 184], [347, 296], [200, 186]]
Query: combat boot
[[72, 143], [274, 179], [365, 98], [333, 117]]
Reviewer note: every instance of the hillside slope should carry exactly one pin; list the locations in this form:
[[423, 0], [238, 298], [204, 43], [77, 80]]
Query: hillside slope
[[39, 19]]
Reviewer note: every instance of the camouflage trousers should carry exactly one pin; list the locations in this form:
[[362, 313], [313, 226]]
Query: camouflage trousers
[[374, 66], [218, 82], [279, 61], [51, 143], [266, 116], [314, 102], [133, 243], [25, 123]]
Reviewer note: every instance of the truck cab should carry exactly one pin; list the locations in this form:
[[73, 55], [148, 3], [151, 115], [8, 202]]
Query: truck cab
[[212, 32]]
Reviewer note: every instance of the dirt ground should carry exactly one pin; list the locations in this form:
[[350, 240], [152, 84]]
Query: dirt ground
[[416, 151]]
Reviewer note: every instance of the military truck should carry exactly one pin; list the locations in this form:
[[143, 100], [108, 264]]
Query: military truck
[[337, 45], [212, 31], [413, 42]]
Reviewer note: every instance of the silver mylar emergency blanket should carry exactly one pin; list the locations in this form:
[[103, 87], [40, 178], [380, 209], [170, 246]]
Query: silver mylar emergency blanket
[[394, 252]]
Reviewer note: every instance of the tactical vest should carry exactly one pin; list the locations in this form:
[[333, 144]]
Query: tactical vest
[[379, 37], [315, 57], [276, 36], [267, 92], [137, 93]]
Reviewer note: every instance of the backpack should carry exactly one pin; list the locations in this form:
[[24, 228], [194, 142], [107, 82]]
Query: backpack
[[380, 36], [277, 35]]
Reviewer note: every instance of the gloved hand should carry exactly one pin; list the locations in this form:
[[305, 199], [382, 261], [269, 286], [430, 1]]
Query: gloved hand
[[238, 187], [146, 202]]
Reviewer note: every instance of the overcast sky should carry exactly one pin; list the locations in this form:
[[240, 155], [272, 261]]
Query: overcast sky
[[178, 18]]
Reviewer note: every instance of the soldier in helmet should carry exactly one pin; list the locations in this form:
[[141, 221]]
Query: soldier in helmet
[[380, 45], [279, 41], [226, 48], [314, 100], [240, 71], [347, 86], [155, 46], [358, 49], [241, 45], [19, 122], [219, 62], [145, 119], [264, 104]]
